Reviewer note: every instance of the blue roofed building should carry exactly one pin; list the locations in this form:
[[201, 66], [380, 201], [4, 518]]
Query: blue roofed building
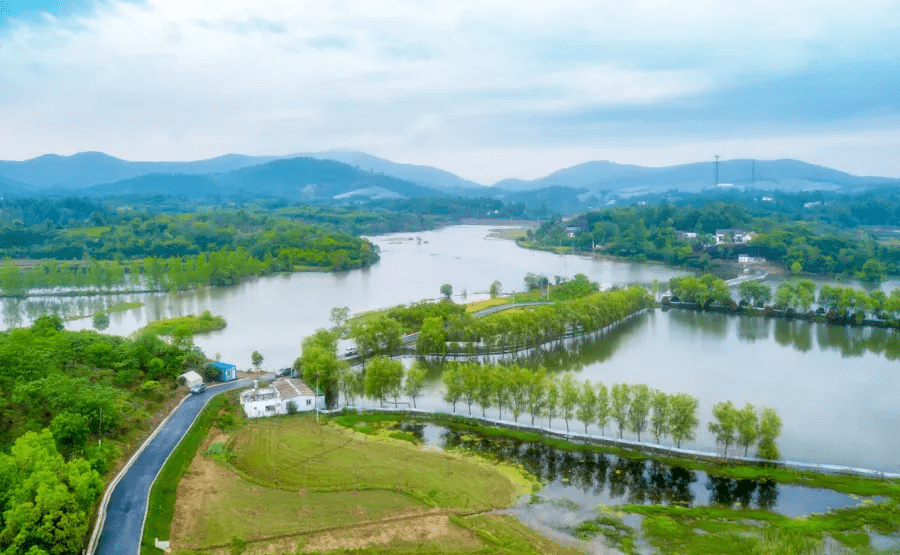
[[227, 372]]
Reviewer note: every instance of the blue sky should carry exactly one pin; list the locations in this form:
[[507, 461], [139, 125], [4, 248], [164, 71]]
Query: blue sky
[[487, 89]]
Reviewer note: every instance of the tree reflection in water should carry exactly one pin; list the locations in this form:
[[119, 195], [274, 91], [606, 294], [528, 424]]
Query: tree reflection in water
[[629, 481]]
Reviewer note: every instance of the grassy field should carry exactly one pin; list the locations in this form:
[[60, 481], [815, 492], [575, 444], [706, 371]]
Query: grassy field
[[297, 454], [290, 485]]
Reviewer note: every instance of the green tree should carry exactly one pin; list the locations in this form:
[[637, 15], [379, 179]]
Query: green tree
[[683, 421], [620, 401], [256, 359], [639, 409], [747, 425], [872, 271], [602, 411], [724, 428], [415, 382], [348, 383], [551, 402], [485, 394], [769, 430], [101, 321], [319, 358], [660, 419], [384, 377], [568, 397], [496, 289], [70, 431], [518, 389], [755, 292], [432, 339], [500, 380], [48, 501], [536, 394], [453, 384], [447, 291], [587, 404], [470, 380], [339, 317]]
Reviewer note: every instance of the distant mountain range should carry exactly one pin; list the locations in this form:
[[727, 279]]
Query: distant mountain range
[[785, 175], [339, 175]]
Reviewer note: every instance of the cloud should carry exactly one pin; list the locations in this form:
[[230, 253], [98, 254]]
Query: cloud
[[406, 79]]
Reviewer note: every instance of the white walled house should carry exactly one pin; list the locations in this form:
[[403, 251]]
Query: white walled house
[[190, 379], [274, 399]]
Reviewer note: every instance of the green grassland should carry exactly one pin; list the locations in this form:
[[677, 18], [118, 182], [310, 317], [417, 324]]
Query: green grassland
[[313, 457], [291, 485]]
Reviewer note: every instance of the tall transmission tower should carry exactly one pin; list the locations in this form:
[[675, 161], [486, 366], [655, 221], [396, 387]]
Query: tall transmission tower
[[717, 169]]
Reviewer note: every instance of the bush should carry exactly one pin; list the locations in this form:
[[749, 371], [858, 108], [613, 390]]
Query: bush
[[292, 407], [150, 386]]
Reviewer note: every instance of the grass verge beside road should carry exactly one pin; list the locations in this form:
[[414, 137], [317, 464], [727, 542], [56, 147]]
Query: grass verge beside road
[[161, 503]]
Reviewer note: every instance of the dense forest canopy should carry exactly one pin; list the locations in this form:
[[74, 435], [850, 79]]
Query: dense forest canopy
[[813, 237]]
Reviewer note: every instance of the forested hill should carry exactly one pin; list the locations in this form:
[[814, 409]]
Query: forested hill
[[312, 179], [299, 178], [60, 393], [136, 250]]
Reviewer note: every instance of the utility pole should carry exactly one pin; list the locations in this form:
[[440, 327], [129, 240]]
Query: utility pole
[[717, 169]]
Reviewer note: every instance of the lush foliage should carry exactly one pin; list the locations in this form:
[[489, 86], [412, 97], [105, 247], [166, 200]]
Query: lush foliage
[[186, 325], [45, 502], [824, 240], [513, 330], [60, 392], [171, 251]]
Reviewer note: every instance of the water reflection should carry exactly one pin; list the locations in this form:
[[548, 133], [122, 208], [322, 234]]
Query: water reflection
[[569, 354], [746, 493], [588, 479]]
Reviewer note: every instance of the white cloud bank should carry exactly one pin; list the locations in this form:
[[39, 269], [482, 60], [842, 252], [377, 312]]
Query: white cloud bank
[[472, 86]]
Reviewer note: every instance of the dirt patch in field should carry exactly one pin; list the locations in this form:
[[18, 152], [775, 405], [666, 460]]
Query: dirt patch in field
[[201, 486], [214, 436], [429, 528]]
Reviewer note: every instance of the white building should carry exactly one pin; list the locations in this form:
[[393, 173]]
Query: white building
[[272, 400], [190, 379], [747, 259]]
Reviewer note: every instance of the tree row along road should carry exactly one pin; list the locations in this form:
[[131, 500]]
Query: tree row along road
[[127, 505]]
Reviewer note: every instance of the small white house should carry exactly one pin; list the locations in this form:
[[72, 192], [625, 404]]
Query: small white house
[[747, 259], [272, 400], [190, 379]]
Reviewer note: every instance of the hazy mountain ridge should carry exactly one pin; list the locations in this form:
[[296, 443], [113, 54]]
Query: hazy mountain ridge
[[339, 175], [52, 171], [786, 174], [427, 176]]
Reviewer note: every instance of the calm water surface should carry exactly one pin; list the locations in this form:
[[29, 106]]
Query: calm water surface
[[836, 389]]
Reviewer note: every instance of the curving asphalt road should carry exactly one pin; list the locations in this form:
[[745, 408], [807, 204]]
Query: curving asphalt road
[[122, 529]]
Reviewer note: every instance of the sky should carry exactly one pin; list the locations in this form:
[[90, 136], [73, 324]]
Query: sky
[[487, 89]]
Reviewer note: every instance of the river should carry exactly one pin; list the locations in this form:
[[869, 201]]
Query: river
[[835, 388]]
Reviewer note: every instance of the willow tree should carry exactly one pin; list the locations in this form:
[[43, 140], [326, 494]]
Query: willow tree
[[587, 404], [683, 418], [620, 400], [639, 410]]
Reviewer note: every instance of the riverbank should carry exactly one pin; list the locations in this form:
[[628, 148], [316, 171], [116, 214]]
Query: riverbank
[[847, 479]]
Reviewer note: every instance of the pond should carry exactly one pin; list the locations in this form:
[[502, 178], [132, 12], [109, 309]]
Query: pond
[[574, 483]]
